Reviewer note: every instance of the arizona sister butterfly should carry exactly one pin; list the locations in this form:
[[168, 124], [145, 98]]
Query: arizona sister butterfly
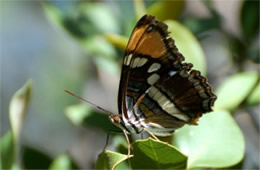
[[158, 92]]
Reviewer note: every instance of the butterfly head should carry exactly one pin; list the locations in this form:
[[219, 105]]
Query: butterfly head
[[116, 119]]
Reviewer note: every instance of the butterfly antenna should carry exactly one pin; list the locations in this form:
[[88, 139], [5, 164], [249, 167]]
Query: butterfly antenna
[[100, 108]]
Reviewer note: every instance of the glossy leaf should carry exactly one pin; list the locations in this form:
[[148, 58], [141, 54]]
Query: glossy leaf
[[152, 154], [250, 19], [83, 115], [188, 45], [7, 151], [235, 89], [63, 162], [166, 9], [216, 142], [109, 160], [18, 108]]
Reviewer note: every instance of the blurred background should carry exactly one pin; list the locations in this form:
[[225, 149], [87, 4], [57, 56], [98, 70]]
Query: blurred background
[[79, 45]]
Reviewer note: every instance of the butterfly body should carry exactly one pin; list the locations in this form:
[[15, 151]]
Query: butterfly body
[[158, 92]]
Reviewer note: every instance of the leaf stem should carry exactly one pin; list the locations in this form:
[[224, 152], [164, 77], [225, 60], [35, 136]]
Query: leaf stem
[[139, 8]]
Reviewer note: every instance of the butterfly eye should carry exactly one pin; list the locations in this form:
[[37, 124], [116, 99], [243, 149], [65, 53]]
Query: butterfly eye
[[115, 119]]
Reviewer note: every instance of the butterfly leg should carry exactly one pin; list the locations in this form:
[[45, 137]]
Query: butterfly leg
[[128, 144], [107, 138], [151, 134]]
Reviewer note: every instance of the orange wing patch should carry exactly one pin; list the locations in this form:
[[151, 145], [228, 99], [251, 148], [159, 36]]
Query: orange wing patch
[[152, 45], [136, 35]]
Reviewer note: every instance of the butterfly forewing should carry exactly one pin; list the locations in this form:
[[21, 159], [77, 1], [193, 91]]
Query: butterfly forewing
[[157, 91]]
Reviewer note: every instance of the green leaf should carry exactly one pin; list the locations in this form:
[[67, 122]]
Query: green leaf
[[166, 9], [198, 26], [35, 159], [63, 162], [99, 46], [7, 151], [77, 113], [235, 89], [83, 115], [253, 52], [250, 19], [53, 14], [18, 108], [104, 53], [217, 141], [152, 154], [254, 98], [188, 45], [80, 20], [101, 12], [109, 160], [117, 40]]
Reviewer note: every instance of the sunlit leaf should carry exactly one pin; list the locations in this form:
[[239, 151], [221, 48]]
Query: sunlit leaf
[[148, 154], [152, 154], [254, 98], [217, 141], [250, 19], [7, 151], [77, 113], [18, 108], [234, 90], [109, 160], [117, 40], [166, 9], [188, 45], [63, 162]]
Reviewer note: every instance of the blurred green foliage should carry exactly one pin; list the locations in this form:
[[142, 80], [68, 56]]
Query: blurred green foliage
[[216, 143]]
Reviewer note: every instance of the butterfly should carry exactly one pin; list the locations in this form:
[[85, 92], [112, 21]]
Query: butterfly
[[158, 92]]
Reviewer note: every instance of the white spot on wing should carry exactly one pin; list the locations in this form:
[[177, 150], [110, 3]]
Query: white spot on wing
[[136, 61], [141, 62], [153, 78], [149, 29], [154, 67], [152, 91], [166, 104], [128, 59], [171, 73]]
